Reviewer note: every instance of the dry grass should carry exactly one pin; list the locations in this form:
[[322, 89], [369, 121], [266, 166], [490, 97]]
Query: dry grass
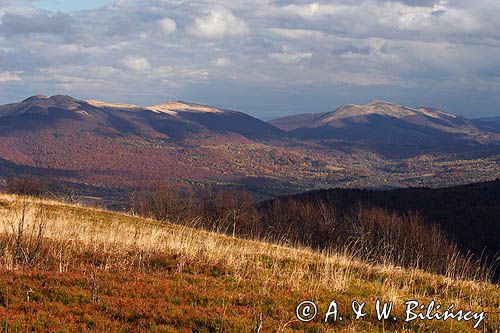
[[252, 284]]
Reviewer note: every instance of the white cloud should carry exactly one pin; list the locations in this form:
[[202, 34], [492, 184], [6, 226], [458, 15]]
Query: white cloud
[[218, 23], [75, 49], [167, 25], [221, 62], [8, 76], [298, 33], [136, 63], [315, 11], [178, 46], [290, 58]]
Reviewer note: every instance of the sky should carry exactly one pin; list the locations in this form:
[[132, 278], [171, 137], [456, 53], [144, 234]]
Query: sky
[[268, 58], [68, 6]]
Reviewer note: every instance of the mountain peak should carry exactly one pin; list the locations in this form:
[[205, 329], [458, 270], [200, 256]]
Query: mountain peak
[[62, 99], [102, 104], [40, 104], [174, 107], [56, 99], [375, 107], [376, 102], [35, 98], [387, 109]]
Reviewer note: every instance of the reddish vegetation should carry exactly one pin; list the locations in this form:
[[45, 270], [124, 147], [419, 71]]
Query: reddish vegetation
[[102, 271], [106, 146], [180, 302]]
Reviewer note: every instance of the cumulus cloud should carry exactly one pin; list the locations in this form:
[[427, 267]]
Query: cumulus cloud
[[331, 51], [221, 62], [167, 25], [136, 63], [217, 23]]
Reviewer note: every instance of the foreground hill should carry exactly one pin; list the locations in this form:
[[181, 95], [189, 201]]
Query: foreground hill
[[95, 270], [468, 214], [388, 127]]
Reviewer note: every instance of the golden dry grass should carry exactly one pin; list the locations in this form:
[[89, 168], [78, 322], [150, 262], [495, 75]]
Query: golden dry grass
[[266, 279]]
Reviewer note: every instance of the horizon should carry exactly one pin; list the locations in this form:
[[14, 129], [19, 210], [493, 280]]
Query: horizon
[[263, 118], [268, 59]]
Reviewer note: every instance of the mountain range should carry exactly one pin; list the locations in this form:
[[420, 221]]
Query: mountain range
[[102, 144], [175, 120], [391, 129]]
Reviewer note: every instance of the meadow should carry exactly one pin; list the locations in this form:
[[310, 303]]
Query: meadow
[[70, 268]]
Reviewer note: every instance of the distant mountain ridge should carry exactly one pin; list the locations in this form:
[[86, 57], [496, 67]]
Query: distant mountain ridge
[[173, 119], [220, 120], [488, 124], [386, 126], [490, 119], [340, 117], [102, 144]]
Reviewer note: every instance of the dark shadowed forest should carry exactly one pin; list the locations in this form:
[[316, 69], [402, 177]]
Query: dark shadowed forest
[[448, 231]]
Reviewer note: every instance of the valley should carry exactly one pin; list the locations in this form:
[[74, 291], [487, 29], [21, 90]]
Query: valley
[[97, 147]]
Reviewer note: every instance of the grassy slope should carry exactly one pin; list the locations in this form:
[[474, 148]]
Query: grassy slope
[[102, 271]]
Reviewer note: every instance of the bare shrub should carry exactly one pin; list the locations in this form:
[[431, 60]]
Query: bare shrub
[[161, 203], [374, 235], [68, 195], [95, 287], [303, 222], [31, 186], [378, 236], [228, 211], [24, 240]]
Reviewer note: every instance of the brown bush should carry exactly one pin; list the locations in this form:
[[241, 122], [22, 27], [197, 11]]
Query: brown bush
[[315, 225], [230, 211], [372, 234], [24, 237], [162, 203], [378, 236], [31, 186], [227, 211]]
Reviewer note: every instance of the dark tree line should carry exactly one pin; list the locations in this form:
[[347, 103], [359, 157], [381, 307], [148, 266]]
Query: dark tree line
[[228, 211], [39, 187], [416, 228], [368, 232]]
